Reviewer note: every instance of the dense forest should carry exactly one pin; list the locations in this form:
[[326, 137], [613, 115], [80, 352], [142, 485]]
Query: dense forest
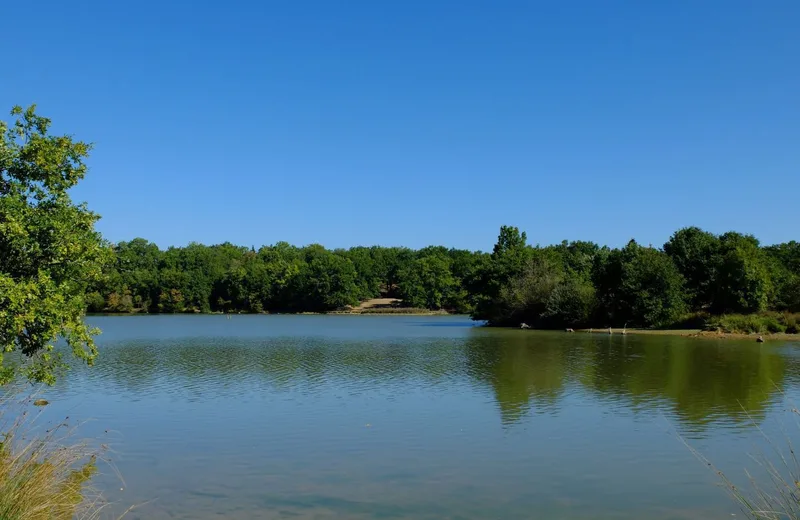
[[695, 275]]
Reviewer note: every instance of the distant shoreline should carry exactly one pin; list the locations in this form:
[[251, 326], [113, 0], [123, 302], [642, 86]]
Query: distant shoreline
[[401, 311], [374, 312], [375, 306], [689, 333]]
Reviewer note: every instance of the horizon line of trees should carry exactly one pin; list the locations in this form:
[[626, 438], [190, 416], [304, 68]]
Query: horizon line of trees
[[572, 284]]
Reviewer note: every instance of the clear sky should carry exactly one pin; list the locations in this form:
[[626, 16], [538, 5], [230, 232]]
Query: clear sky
[[419, 122]]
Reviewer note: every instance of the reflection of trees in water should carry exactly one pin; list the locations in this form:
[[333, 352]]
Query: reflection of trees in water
[[212, 365], [700, 381], [524, 370]]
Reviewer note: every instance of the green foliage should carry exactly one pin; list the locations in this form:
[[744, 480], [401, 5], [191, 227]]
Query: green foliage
[[50, 253], [369, 277], [578, 257], [787, 254], [171, 300], [524, 299], [509, 258], [732, 273], [639, 286], [690, 320], [95, 302], [571, 303], [428, 282], [784, 267], [743, 280], [767, 322], [547, 293], [696, 254], [571, 284], [325, 281], [792, 322]]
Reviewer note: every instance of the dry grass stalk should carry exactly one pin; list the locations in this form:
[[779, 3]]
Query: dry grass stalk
[[44, 475]]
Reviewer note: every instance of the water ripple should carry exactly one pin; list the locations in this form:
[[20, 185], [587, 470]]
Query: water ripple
[[409, 417]]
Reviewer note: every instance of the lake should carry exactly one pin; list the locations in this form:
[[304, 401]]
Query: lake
[[406, 417]]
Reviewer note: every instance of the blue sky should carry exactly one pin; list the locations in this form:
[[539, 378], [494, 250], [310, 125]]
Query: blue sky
[[420, 122]]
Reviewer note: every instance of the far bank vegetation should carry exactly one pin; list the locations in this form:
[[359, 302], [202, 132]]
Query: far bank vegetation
[[697, 279]]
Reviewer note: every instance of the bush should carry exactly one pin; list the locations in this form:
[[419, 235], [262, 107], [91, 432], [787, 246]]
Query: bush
[[95, 302], [694, 320], [792, 322], [773, 324], [769, 322]]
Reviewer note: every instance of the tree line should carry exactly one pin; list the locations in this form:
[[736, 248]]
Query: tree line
[[572, 284], [279, 278]]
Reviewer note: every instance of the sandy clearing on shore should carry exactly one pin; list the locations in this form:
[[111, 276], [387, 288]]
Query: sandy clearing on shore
[[378, 302]]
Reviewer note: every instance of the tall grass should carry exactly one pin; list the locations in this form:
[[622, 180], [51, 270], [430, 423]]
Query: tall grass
[[775, 493], [43, 474]]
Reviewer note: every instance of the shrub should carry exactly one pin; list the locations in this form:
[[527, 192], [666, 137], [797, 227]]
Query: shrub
[[792, 322], [755, 323], [773, 324], [694, 320]]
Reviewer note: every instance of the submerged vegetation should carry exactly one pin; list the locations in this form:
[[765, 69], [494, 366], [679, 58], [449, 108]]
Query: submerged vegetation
[[696, 278]]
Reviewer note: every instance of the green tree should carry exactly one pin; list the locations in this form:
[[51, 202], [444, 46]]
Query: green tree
[[137, 264], [171, 300], [788, 297], [283, 263], [578, 257], [466, 267], [428, 283], [639, 286], [120, 302], [95, 302], [787, 254], [696, 254], [571, 303], [50, 253], [369, 279], [524, 298], [509, 257], [246, 286], [743, 284], [324, 282], [389, 262], [173, 281], [784, 266]]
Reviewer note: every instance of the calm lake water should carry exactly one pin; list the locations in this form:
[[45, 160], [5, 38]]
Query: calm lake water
[[367, 417]]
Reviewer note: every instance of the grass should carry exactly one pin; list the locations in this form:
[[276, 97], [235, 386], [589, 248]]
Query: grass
[[775, 494], [761, 323], [44, 476]]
